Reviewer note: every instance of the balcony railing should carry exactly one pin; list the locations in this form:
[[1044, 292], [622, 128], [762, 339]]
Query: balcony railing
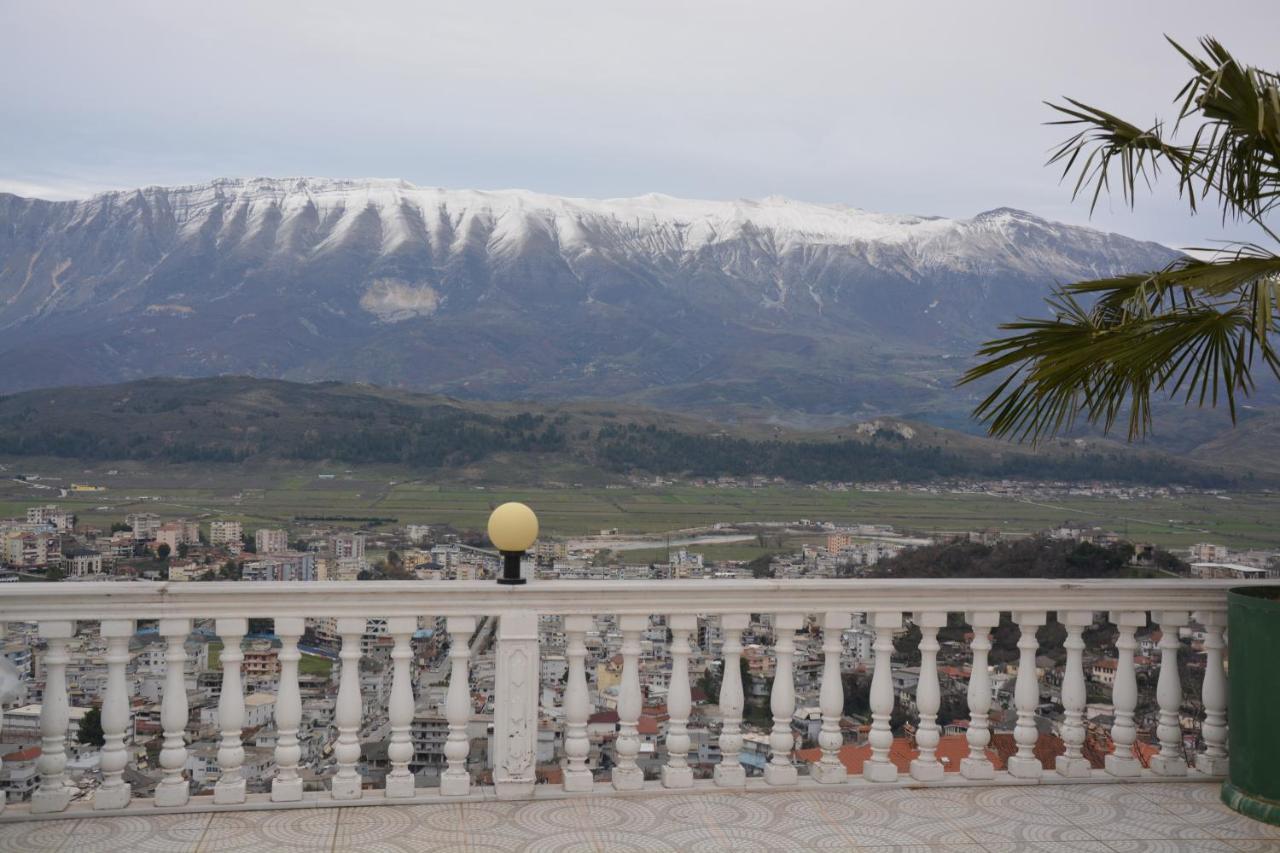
[[117, 608]]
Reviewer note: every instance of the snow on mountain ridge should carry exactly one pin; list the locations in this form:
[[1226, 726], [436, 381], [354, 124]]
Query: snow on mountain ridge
[[406, 213]]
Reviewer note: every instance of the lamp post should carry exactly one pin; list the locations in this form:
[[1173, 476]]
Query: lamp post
[[512, 528]]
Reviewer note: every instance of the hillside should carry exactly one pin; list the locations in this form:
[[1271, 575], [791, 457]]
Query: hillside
[[812, 313], [245, 420]]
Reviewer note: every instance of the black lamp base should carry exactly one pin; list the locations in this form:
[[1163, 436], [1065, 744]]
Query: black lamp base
[[511, 569]]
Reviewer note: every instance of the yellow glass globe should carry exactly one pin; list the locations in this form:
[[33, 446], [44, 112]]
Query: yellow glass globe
[[513, 527]]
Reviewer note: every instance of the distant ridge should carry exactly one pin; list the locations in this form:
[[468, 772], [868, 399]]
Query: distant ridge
[[258, 421]]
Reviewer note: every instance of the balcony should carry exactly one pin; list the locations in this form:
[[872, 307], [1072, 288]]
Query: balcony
[[1043, 781]]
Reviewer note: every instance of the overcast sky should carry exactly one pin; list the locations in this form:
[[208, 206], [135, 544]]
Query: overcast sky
[[913, 107]]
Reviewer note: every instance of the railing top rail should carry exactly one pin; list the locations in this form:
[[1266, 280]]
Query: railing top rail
[[154, 600]]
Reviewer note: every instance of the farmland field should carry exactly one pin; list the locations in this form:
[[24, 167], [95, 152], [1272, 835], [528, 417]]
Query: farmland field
[[280, 495]]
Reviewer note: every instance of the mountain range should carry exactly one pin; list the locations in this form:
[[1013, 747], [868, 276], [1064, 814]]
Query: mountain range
[[810, 314]]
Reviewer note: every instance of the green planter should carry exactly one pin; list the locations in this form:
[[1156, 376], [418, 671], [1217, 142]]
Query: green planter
[[1253, 623]]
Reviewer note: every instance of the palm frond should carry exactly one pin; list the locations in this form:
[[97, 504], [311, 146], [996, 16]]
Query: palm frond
[[1191, 330]]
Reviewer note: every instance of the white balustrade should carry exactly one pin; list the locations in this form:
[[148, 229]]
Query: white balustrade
[[118, 607], [456, 781], [400, 708], [286, 787], [1214, 759], [976, 765], [1124, 696], [173, 789], [1026, 696], [114, 793], [927, 767], [348, 711], [730, 773], [677, 773], [53, 793], [577, 747], [782, 701], [830, 770], [1072, 762], [230, 787], [627, 775], [1170, 761], [878, 768]]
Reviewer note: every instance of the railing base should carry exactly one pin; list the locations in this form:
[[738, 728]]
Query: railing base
[[1025, 768], [1213, 765], [1162, 766], [926, 771], [286, 791], [780, 775], [50, 802], [1123, 765], [116, 797], [230, 793], [346, 789], [977, 769], [1073, 768], [677, 777], [879, 772], [19, 812]]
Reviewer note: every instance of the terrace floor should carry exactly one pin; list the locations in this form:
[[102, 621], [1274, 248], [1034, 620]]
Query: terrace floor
[[1139, 816]]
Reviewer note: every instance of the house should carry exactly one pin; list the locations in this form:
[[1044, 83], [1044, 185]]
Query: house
[[18, 774], [1104, 670]]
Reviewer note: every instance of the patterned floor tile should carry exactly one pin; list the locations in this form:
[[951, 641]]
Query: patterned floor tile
[[253, 832], [173, 833], [35, 837], [1253, 846], [1199, 845], [1098, 818], [1047, 847]]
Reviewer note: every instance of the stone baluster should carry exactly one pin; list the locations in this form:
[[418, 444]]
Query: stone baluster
[[173, 789], [286, 787], [53, 793], [456, 781], [677, 773], [1072, 763], [730, 772], [830, 770], [1214, 760], [782, 701], [927, 767], [577, 775], [976, 765], [1026, 696], [400, 707], [1124, 696], [348, 711], [114, 792], [627, 775], [230, 787], [878, 768], [1170, 761]]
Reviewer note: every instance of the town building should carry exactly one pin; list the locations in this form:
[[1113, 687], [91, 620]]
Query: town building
[[270, 541], [223, 533]]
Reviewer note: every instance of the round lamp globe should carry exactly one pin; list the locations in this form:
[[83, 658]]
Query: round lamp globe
[[513, 527]]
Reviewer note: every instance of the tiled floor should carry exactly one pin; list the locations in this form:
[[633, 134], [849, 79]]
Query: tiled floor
[[1064, 818]]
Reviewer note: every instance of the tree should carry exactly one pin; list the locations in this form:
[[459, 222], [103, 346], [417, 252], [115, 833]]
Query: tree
[[162, 551], [762, 567], [90, 731], [1193, 329]]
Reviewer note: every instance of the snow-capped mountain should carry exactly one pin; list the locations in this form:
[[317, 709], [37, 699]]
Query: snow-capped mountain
[[708, 304]]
